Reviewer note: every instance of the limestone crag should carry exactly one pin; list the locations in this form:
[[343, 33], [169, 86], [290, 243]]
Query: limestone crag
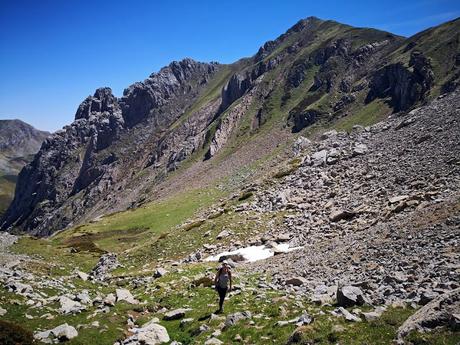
[[75, 170]]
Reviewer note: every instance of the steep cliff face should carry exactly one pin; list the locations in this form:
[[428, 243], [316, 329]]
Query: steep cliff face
[[117, 150], [404, 86]]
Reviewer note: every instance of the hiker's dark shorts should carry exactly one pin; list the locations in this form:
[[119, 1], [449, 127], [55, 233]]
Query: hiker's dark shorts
[[222, 292]]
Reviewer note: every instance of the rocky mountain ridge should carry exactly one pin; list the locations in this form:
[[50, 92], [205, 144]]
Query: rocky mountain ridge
[[319, 72]]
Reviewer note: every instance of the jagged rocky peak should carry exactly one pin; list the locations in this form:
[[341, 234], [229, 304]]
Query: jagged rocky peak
[[102, 101], [176, 79], [309, 23]]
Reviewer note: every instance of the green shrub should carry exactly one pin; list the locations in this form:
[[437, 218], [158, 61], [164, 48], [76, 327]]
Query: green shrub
[[13, 334]]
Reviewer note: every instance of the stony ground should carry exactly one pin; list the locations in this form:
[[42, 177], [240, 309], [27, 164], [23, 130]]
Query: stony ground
[[379, 207]]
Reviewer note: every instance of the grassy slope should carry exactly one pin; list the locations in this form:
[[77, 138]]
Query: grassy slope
[[174, 290], [10, 166], [7, 185]]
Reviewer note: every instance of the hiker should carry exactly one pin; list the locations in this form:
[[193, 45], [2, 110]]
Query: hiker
[[223, 283]]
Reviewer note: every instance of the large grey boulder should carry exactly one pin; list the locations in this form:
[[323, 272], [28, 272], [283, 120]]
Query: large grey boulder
[[348, 296], [150, 334], [438, 312], [296, 281], [60, 333], [338, 215], [319, 158], [300, 144], [159, 272], [69, 306], [125, 295], [347, 315], [107, 262]]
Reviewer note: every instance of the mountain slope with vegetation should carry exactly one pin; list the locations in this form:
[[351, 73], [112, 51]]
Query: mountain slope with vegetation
[[338, 143], [319, 73]]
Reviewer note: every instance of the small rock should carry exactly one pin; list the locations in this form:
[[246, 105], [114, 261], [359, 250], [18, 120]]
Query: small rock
[[338, 215], [359, 149], [232, 319], [82, 275], [397, 199], [175, 314], [296, 281], [213, 341], [125, 295], [454, 322], [186, 321], [62, 332], [159, 272], [69, 306], [348, 316], [110, 300], [222, 234], [149, 334]]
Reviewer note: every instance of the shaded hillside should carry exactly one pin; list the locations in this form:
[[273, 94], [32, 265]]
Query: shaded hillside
[[19, 141], [205, 121]]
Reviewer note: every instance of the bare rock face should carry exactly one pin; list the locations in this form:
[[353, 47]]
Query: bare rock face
[[405, 87], [145, 99]]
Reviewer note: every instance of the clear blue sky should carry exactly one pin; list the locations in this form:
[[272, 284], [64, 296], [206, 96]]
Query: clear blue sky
[[55, 53]]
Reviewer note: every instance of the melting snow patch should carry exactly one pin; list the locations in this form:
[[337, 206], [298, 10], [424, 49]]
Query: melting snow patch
[[254, 253]]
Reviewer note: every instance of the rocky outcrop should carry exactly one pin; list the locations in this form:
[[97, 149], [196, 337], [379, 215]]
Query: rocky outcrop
[[405, 87], [235, 88], [301, 119], [174, 82]]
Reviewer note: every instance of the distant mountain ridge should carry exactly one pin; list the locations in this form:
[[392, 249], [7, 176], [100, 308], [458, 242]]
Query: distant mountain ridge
[[19, 141], [20, 138], [204, 119]]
